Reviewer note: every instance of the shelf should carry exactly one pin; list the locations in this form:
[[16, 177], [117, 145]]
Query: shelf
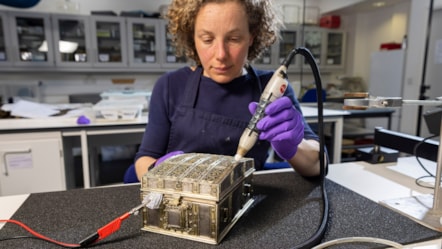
[[354, 132], [97, 34], [355, 135]]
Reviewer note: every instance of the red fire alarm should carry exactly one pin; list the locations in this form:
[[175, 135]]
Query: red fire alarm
[[331, 22], [390, 46]]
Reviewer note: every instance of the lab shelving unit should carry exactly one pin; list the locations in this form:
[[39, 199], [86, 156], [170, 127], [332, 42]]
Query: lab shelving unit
[[37, 41]]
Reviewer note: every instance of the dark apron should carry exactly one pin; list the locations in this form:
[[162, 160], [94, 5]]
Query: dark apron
[[195, 130]]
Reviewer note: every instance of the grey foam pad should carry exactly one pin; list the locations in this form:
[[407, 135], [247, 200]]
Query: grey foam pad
[[286, 212]]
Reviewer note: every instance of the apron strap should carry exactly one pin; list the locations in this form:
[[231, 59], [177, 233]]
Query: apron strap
[[192, 86], [193, 83], [254, 74]]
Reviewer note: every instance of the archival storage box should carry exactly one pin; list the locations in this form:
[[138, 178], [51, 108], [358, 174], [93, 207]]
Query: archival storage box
[[204, 195]]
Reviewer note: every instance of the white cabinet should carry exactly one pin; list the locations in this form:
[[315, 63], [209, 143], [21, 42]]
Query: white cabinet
[[31, 39], [31, 163], [72, 41], [169, 60], [143, 42], [5, 47], [272, 57], [335, 50], [289, 41], [313, 41], [109, 41], [327, 46], [267, 60], [128, 44]]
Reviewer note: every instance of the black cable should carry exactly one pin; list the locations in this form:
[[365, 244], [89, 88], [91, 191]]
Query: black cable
[[18, 237], [415, 153], [316, 238], [38, 235], [422, 185], [36, 238]]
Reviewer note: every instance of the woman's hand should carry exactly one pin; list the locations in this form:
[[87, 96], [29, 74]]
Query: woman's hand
[[168, 155], [143, 164], [282, 126]]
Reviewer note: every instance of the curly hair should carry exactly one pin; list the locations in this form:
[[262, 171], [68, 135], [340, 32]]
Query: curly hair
[[264, 25]]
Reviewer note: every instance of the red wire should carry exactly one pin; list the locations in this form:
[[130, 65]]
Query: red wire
[[112, 226], [40, 236]]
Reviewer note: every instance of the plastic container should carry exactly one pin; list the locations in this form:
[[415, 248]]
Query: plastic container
[[142, 96], [118, 110]]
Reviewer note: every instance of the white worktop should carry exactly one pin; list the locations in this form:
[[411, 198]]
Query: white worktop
[[69, 122], [10, 204], [310, 111], [62, 122], [385, 181]]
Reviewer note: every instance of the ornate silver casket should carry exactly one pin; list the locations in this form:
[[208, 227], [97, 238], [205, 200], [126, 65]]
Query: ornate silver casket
[[203, 195]]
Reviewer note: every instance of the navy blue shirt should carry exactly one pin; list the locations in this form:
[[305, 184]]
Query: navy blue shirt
[[230, 100]]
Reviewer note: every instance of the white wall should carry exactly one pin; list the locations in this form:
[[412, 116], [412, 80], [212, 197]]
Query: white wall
[[374, 28], [389, 25], [370, 29], [417, 32], [328, 6]]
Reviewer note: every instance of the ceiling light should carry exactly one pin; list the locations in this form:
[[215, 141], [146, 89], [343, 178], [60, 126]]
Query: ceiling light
[[379, 4]]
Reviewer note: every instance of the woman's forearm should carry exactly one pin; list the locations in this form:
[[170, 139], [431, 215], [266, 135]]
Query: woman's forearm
[[306, 160], [142, 165]]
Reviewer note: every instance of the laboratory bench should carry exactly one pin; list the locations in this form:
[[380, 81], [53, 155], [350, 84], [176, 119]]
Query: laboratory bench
[[354, 133], [41, 154], [286, 212], [51, 154], [362, 137]]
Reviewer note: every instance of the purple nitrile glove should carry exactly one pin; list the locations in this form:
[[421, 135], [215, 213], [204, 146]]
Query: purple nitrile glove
[[282, 126], [168, 155], [83, 120]]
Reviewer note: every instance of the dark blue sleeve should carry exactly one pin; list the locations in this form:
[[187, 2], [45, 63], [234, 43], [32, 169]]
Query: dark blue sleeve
[[308, 132], [156, 135]]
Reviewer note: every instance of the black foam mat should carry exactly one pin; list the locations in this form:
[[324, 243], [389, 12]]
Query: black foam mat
[[287, 212]]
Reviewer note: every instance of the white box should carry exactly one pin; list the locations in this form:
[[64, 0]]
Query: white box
[[142, 96], [118, 109]]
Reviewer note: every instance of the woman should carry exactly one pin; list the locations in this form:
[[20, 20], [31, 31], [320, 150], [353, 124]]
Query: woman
[[206, 108]]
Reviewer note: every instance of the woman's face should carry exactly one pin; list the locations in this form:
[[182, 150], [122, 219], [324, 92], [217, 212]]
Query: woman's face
[[222, 40]]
